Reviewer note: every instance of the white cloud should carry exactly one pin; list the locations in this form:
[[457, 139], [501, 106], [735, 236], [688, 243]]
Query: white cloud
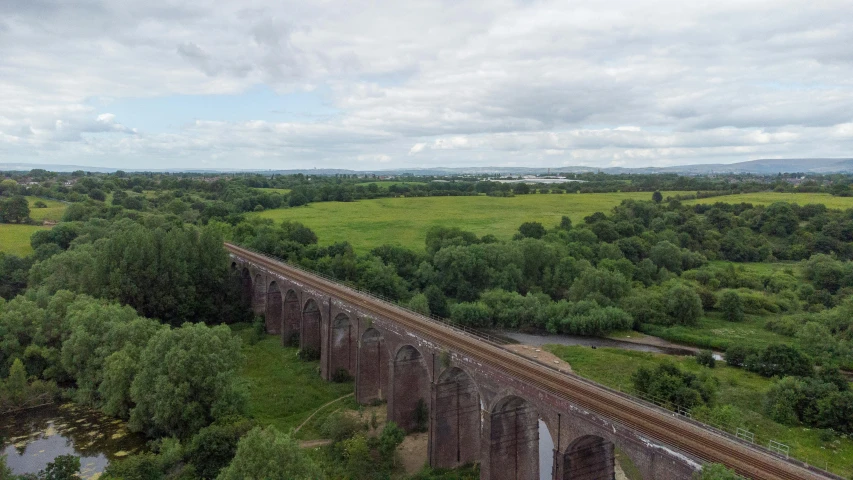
[[461, 83]]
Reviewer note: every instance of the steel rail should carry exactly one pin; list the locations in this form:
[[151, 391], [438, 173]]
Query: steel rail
[[665, 428]]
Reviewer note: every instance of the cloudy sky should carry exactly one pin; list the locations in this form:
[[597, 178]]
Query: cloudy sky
[[386, 84]]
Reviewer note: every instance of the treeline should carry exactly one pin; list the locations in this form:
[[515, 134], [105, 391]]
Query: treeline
[[645, 263]]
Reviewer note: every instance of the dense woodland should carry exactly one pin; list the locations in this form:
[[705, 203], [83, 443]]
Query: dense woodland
[[132, 288]]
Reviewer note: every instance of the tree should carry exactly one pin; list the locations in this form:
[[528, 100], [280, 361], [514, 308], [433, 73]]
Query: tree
[[657, 197], [97, 194], [731, 306], [16, 384], [187, 379], [390, 438], [269, 454], [63, 467], [531, 230], [706, 358], [683, 305], [213, 447], [15, 210], [565, 223], [666, 255]]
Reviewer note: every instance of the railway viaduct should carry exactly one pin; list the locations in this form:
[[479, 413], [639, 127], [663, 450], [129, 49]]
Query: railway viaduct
[[479, 402]]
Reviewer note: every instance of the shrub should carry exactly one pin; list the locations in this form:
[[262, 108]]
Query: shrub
[[731, 306], [706, 358]]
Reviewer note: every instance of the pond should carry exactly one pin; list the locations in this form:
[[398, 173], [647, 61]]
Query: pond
[[655, 345], [32, 438]]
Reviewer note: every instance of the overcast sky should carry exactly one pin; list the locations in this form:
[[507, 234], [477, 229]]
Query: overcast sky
[[400, 83]]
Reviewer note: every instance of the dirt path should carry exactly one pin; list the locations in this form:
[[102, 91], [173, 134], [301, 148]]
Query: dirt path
[[316, 411], [314, 443]]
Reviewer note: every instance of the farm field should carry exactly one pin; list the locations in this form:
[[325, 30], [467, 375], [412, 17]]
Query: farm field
[[15, 239], [404, 221], [741, 389], [766, 198], [54, 209]]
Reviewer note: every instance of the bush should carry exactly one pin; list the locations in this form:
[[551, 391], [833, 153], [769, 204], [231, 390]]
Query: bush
[[683, 305], [213, 447], [737, 354], [668, 384], [731, 306], [339, 426], [706, 358], [341, 375]]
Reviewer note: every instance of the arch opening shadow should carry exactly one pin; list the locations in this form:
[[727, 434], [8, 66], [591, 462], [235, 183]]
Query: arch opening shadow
[[246, 287], [310, 337], [514, 440], [272, 313], [372, 367], [589, 458], [291, 317], [344, 347], [409, 406], [259, 298], [457, 420]]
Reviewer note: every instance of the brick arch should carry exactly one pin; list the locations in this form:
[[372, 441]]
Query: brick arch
[[310, 337], [291, 319], [272, 309], [246, 287], [589, 457], [410, 386], [344, 345], [513, 437], [372, 367], [456, 432], [259, 296]]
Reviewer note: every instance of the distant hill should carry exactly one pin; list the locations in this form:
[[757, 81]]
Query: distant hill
[[758, 167]]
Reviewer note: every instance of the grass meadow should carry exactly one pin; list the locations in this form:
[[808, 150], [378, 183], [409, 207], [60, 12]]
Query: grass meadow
[[404, 221], [739, 388], [53, 212], [284, 390], [766, 198], [15, 239]]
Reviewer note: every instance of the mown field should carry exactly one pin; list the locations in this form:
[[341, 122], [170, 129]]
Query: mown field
[[53, 211], [15, 239], [404, 221], [739, 388], [766, 198]]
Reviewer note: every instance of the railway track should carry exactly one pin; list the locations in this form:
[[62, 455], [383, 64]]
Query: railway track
[[659, 426]]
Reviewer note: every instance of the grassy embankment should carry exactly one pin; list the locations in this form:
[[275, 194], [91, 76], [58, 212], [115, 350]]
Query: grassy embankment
[[15, 239], [739, 388], [284, 390]]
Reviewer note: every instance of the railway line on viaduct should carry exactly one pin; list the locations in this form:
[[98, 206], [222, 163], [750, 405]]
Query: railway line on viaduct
[[484, 403]]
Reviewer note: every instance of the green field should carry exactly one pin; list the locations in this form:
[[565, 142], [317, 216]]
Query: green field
[[284, 390], [53, 212], [388, 183], [15, 239], [273, 190], [766, 198], [404, 221], [742, 389]]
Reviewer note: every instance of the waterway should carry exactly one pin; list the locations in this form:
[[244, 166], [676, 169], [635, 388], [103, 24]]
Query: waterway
[[33, 438], [644, 344]]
